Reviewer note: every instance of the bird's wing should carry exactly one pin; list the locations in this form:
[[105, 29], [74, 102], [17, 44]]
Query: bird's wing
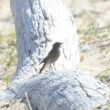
[[45, 59]]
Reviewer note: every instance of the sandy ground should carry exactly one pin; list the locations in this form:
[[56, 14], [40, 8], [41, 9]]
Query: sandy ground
[[94, 17], [91, 15], [6, 21]]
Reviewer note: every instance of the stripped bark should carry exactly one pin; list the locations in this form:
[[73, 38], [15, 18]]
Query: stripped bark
[[39, 24]]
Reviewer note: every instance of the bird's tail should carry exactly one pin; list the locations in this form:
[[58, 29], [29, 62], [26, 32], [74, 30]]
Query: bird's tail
[[43, 67], [42, 62]]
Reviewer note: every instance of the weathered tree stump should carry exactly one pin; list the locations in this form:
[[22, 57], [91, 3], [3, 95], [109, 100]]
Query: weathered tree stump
[[39, 24]]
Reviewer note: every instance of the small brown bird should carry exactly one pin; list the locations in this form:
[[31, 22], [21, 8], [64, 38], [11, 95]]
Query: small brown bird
[[52, 56]]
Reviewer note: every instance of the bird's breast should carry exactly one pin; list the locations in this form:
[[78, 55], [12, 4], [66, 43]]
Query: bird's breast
[[54, 56]]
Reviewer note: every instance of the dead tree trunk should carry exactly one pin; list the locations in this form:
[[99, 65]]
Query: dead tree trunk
[[39, 24]]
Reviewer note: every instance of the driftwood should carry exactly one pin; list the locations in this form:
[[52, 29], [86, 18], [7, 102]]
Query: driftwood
[[39, 24]]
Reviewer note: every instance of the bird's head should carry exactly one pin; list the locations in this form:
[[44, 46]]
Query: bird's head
[[57, 44]]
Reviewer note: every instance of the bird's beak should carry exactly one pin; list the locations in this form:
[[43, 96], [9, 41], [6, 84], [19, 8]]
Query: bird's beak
[[62, 43]]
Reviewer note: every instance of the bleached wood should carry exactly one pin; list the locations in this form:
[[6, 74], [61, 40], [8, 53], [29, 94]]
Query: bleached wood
[[39, 24], [63, 90]]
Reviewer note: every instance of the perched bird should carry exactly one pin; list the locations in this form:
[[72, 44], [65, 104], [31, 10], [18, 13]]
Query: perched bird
[[52, 56]]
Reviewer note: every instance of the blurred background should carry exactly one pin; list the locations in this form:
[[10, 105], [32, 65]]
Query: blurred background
[[93, 26]]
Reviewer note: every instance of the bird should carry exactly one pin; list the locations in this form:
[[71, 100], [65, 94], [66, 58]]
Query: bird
[[52, 57]]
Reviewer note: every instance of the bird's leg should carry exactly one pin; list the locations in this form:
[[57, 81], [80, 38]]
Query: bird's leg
[[50, 67], [54, 66]]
